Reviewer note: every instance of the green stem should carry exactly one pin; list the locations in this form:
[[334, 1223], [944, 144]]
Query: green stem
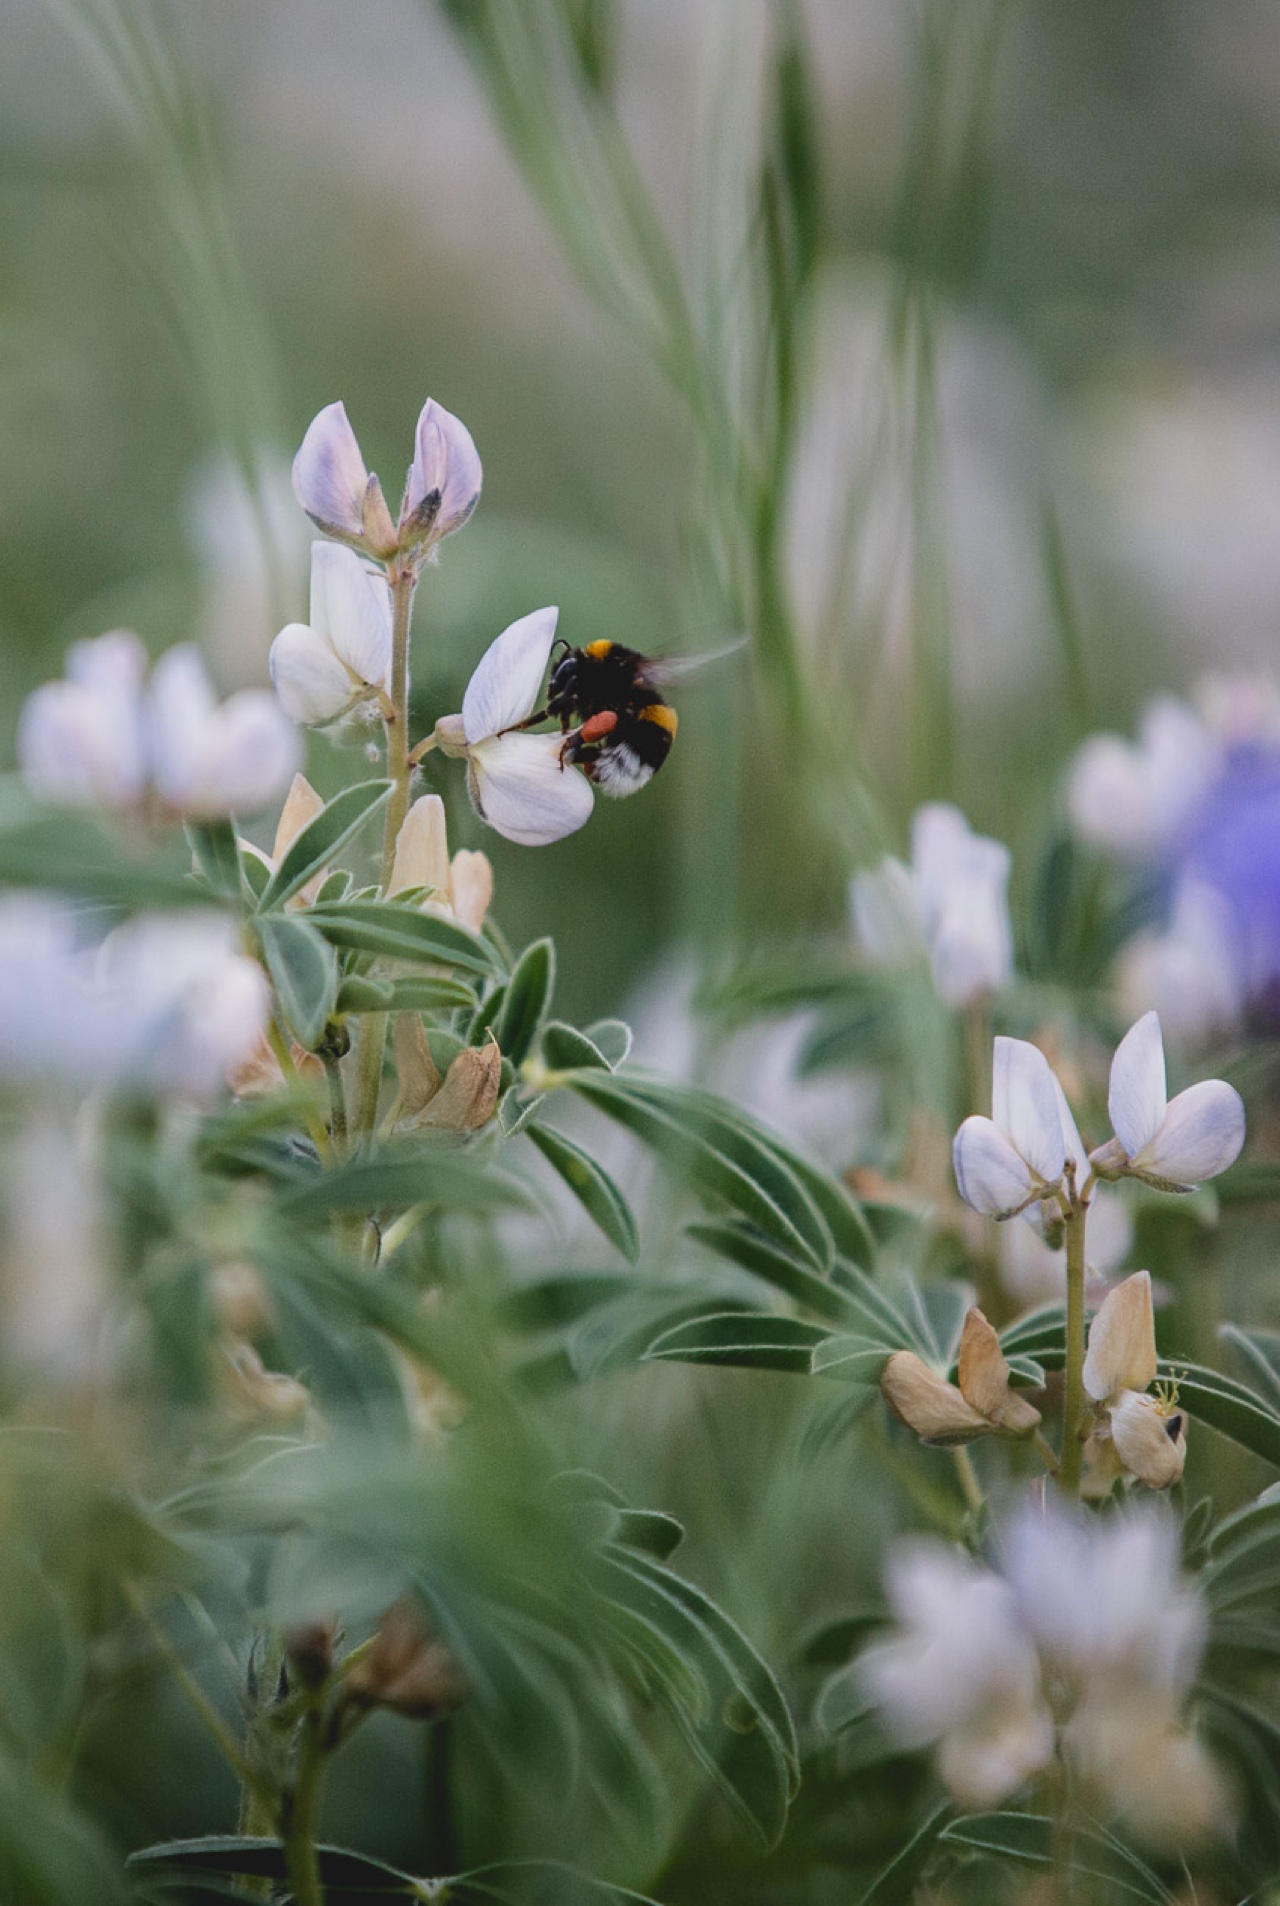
[[403, 583], [298, 1814], [371, 1046], [337, 1101], [1073, 1401], [968, 1476]]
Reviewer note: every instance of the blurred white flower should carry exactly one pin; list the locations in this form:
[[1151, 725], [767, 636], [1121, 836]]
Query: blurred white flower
[[1018, 1157], [104, 738], [962, 1673], [82, 740], [252, 549], [519, 784], [1034, 1272], [210, 759], [1084, 1645], [1171, 1144], [1139, 798], [951, 903], [1137, 1434], [167, 1004], [341, 497], [53, 1280], [1189, 973], [341, 659]]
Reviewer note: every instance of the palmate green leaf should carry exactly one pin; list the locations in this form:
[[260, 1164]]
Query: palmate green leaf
[[392, 932], [747, 1738], [591, 1185], [524, 1006], [749, 1340], [359, 994], [852, 1358], [325, 835], [304, 972], [400, 1175], [1244, 1555], [1028, 1837], [743, 1245], [717, 1155]]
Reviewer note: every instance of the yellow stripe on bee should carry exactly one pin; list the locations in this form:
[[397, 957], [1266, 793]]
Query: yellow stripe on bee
[[661, 715], [597, 650]]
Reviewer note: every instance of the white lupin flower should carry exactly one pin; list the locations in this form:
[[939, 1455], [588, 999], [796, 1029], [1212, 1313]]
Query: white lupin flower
[[1189, 974], [1008, 1162], [1138, 1435], [210, 759], [519, 784], [341, 659], [81, 741], [962, 1674], [1136, 798], [167, 1004], [105, 738], [1172, 1144], [951, 904], [341, 497]]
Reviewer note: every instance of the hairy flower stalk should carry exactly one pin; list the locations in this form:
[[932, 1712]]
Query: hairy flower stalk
[[1071, 1460]]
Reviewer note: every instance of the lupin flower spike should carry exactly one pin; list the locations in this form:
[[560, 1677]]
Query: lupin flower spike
[[346, 502], [1171, 1144], [519, 784]]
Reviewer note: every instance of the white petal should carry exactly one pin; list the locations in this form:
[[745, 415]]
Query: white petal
[[313, 686], [471, 884], [1149, 1440], [520, 787], [886, 919], [76, 747], [1136, 1099], [508, 680], [1136, 798], [990, 1174], [940, 836], [180, 705], [1122, 1341], [1191, 974], [972, 952], [351, 610], [1025, 1105], [329, 476], [1201, 1134], [250, 753], [444, 459]]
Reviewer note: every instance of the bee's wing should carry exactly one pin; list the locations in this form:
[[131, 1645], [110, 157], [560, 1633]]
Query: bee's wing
[[660, 671]]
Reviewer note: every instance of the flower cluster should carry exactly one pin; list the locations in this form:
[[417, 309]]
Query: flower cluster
[[107, 737], [1022, 1160], [1195, 803], [1081, 1649]]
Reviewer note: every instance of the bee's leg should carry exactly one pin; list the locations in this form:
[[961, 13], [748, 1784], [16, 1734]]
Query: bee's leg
[[530, 721]]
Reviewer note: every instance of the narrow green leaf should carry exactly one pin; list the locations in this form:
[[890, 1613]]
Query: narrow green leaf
[[1094, 1852], [649, 1530], [853, 1358], [612, 1040], [401, 1176], [748, 1340], [323, 837], [213, 843], [361, 994], [303, 971], [65, 851], [529, 991], [342, 1871], [768, 1261], [894, 1883], [565, 1049], [600, 1198], [394, 932], [1259, 1351]]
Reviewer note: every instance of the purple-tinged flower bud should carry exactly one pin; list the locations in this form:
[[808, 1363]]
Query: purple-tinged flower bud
[[335, 489], [444, 479]]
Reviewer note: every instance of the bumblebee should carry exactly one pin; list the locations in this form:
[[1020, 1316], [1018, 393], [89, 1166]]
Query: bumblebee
[[617, 726]]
